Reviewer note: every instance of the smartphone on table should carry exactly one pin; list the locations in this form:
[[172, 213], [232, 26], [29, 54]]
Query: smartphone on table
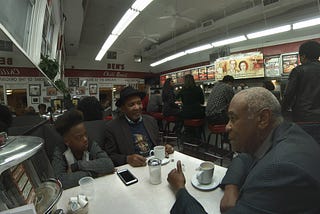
[[127, 177]]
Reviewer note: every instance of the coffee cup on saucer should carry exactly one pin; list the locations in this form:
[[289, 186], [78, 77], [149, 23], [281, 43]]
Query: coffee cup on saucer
[[206, 172]]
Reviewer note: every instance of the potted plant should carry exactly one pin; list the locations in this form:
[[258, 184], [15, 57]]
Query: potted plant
[[49, 66]]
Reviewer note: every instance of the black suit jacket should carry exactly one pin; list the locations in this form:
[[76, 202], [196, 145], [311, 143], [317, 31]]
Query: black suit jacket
[[285, 180], [119, 140]]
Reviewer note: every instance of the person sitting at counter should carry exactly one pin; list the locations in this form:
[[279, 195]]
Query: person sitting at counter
[[131, 136], [277, 171], [82, 156]]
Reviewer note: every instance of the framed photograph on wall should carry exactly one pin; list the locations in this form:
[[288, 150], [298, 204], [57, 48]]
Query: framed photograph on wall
[[35, 100], [34, 90], [93, 88], [51, 91], [46, 99], [73, 82]]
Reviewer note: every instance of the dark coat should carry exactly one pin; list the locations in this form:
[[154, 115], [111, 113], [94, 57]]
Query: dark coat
[[119, 140]]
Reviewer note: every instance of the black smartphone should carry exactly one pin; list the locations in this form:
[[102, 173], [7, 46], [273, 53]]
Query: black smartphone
[[127, 177]]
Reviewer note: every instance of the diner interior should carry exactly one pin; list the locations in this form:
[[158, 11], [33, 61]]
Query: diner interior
[[57, 52]]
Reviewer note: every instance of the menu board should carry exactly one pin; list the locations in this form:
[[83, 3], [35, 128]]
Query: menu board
[[180, 78], [211, 72], [272, 66], [187, 72], [174, 77], [195, 74], [203, 73], [162, 79], [240, 66], [289, 62]]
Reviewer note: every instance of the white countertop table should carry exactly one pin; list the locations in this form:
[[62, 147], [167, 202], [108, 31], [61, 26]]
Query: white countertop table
[[113, 196]]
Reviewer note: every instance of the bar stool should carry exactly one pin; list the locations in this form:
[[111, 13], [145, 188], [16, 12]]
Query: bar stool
[[197, 126], [220, 132], [167, 133]]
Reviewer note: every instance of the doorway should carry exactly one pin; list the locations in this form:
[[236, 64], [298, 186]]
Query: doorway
[[105, 96], [18, 100]]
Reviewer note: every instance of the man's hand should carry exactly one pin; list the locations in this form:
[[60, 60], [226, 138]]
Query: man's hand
[[169, 149], [230, 197], [136, 160], [176, 178]]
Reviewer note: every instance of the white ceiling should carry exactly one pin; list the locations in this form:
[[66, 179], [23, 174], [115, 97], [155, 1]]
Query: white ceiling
[[167, 26]]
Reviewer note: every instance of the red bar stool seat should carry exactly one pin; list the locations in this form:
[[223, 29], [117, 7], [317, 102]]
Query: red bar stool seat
[[220, 132]]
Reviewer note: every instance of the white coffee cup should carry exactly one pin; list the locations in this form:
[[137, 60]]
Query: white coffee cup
[[158, 152], [206, 172], [87, 187]]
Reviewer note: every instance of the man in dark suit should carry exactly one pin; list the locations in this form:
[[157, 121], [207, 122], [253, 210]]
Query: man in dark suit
[[277, 169], [131, 136]]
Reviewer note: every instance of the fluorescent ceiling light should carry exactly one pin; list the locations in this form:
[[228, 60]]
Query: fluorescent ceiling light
[[158, 62], [229, 41], [200, 48], [308, 23], [177, 55], [141, 4], [268, 32], [107, 44], [126, 19]]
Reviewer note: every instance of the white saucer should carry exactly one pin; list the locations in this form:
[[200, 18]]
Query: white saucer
[[214, 184], [163, 162]]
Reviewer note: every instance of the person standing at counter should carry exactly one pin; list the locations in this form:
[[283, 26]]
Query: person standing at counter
[[277, 171], [131, 136], [303, 90], [192, 98], [170, 108], [82, 157]]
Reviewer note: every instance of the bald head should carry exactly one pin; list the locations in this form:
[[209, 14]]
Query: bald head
[[258, 98], [253, 113]]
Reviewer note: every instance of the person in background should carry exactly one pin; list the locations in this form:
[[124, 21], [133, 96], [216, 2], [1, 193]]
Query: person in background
[[91, 108], [218, 101], [155, 102], [303, 90], [30, 111], [145, 99], [105, 105], [192, 99], [42, 108], [170, 108], [5, 118], [155, 107], [277, 170], [82, 156], [131, 136], [270, 86]]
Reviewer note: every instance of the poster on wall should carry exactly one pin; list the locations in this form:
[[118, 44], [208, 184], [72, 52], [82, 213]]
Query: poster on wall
[[240, 66], [289, 62], [195, 74], [203, 73], [272, 66], [211, 72]]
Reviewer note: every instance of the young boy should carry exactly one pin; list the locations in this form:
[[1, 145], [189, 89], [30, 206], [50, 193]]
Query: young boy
[[82, 157]]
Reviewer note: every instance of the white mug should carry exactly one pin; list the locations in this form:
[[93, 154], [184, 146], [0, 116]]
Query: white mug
[[158, 152], [206, 172]]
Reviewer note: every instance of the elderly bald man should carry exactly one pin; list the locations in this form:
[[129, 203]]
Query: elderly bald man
[[276, 170]]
